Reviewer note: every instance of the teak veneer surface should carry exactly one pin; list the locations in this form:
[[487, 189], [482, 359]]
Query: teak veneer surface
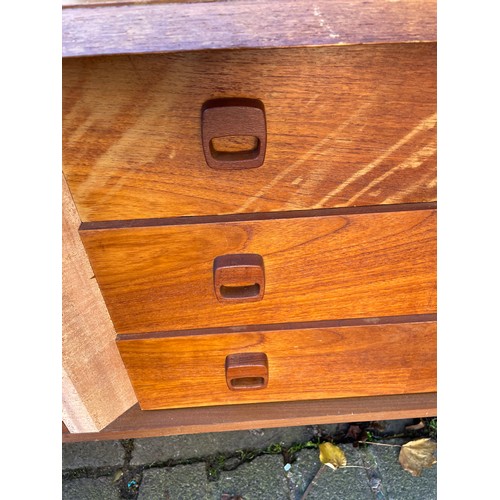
[[346, 126], [159, 278], [349, 125], [140, 27], [314, 363]]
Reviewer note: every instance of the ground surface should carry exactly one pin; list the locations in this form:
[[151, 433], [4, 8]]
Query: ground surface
[[259, 464]]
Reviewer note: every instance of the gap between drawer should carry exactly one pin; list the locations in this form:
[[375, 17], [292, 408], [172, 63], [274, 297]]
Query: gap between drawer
[[208, 219]]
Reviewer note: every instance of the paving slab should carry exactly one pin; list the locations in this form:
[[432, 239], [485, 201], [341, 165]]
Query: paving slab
[[90, 489], [198, 446], [92, 454], [344, 483], [183, 482], [397, 483], [302, 472], [261, 479]]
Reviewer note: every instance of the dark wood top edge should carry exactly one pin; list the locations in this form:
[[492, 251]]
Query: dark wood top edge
[[137, 423], [244, 217], [139, 28], [385, 320], [283, 46], [69, 4]]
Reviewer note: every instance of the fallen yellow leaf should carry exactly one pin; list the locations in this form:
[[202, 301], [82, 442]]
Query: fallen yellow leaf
[[118, 475], [331, 455], [416, 455]]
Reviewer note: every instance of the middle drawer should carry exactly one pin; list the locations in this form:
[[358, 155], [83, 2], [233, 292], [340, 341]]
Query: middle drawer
[[355, 265]]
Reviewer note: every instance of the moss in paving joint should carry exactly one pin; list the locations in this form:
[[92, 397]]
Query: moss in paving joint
[[290, 453], [131, 477], [214, 466], [218, 463], [161, 464], [88, 473], [246, 455], [274, 449], [128, 446]]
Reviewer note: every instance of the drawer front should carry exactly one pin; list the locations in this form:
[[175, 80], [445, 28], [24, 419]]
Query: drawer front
[[304, 363], [359, 265], [346, 126]]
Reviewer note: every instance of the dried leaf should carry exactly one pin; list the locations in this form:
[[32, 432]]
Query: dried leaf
[[118, 475], [416, 455], [331, 455], [415, 427], [353, 432]]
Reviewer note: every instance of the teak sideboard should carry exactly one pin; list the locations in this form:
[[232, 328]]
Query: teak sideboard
[[249, 219]]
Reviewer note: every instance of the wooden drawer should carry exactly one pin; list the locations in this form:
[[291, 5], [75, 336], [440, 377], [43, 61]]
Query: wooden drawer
[[346, 126], [314, 362], [343, 265]]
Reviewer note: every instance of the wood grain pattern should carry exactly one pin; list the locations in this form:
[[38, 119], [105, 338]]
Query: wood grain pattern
[[316, 363], [346, 126], [99, 3], [352, 266], [96, 388], [137, 423], [175, 26]]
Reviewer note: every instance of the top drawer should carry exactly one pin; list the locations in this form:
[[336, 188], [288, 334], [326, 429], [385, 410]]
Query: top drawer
[[346, 126]]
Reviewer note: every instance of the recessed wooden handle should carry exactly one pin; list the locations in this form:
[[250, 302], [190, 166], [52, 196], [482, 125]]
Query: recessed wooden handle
[[239, 278], [247, 371], [237, 118]]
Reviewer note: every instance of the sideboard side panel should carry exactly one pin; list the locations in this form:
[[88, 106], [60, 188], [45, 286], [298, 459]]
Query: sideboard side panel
[[96, 388]]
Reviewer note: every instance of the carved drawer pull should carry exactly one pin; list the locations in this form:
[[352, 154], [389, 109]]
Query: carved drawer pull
[[246, 371], [239, 278], [242, 120]]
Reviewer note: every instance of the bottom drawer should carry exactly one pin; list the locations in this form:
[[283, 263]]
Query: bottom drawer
[[302, 362]]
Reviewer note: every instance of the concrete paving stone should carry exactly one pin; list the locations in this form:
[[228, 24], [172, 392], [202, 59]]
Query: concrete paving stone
[[373, 474], [302, 472], [344, 483], [90, 489], [396, 482], [183, 482], [261, 479], [92, 454], [153, 450]]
